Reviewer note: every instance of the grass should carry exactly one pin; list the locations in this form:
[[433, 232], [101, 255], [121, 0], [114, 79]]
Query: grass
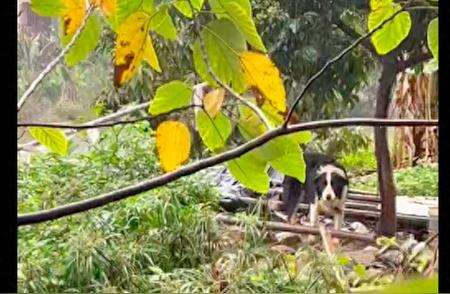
[[163, 240]]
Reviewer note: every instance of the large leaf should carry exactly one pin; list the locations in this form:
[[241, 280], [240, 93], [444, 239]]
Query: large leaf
[[108, 7], [250, 125], [130, 46], [162, 23], [302, 137], [53, 139], [224, 42], [200, 66], [251, 172], [245, 24], [185, 8], [376, 4], [173, 142], [73, 15], [393, 32], [433, 38], [262, 74], [170, 96], [214, 132], [86, 42], [150, 55], [48, 7], [218, 7], [291, 164]]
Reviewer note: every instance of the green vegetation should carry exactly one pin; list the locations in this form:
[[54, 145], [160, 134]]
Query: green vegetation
[[414, 181], [164, 240]]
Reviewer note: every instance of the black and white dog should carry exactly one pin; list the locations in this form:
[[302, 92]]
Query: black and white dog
[[325, 190]]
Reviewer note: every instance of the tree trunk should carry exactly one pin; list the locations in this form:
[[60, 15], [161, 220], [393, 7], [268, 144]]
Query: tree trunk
[[388, 222], [29, 22]]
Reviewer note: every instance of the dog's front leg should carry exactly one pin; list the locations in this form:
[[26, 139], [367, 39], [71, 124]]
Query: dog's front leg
[[338, 221], [313, 219]]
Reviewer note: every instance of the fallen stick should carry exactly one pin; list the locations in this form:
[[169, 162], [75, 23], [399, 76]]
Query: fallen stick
[[403, 220], [361, 197], [362, 192], [277, 226]]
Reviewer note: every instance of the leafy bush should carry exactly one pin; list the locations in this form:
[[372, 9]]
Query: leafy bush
[[414, 181], [358, 162]]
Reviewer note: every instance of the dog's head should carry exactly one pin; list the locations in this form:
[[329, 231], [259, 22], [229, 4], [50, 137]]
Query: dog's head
[[331, 182]]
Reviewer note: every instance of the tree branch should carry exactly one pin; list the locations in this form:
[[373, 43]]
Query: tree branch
[[333, 60], [84, 205], [367, 45], [54, 62], [412, 61]]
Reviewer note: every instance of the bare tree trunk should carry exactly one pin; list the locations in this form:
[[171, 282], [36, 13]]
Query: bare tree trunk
[[388, 221], [29, 22]]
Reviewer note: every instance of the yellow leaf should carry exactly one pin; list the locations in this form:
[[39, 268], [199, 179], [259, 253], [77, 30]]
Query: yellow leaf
[[73, 15], [213, 101], [108, 6], [150, 55], [261, 74], [173, 142], [130, 46]]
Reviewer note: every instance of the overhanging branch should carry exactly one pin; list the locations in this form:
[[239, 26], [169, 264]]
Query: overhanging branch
[[333, 60], [84, 205]]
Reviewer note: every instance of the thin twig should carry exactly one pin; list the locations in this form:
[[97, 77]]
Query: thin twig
[[55, 61], [253, 107], [100, 125], [96, 121], [146, 185], [331, 61]]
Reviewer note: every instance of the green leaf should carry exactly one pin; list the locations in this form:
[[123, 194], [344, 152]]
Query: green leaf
[[170, 96], [200, 65], [86, 42], [343, 260], [250, 125], [245, 24], [125, 8], [53, 139], [148, 6], [301, 137], [48, 7], [214, 133], [185, 9], [162, 23], [433, 38], [292, 164], [376, 4], [224, 42], [393, 32], [251, 172], [360, 271], [218, 7], [413, 286]]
